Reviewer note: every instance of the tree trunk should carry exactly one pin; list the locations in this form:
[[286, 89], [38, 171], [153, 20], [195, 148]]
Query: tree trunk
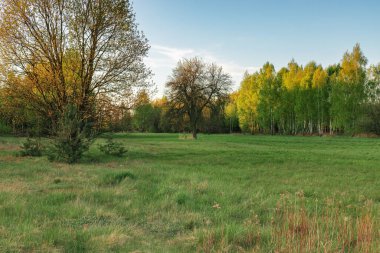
[[271, 122], [193, 121], [195, 133]]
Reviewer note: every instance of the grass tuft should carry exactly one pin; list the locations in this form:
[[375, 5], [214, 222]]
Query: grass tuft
[[116, 178], [182, 198]]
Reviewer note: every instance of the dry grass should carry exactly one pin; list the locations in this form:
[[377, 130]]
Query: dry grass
[[115, 238], [325, 229], [9, 147], [293, 228], [185, 137], [10, 158], [366, 135], [14, 187]]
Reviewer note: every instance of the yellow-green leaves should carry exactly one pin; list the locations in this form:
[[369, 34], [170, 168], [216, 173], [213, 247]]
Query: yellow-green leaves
[[247, 102]]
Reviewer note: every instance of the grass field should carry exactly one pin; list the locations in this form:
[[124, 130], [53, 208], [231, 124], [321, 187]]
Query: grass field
[[220, 193]]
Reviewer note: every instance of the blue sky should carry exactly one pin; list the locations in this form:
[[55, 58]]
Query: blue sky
[[242, 35]]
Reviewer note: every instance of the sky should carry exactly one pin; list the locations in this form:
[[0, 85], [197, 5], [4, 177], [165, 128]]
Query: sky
[[241, 35]]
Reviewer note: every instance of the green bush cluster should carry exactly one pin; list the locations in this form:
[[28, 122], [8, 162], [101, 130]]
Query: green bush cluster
[[31, 147], [113, 148], [4, 129]]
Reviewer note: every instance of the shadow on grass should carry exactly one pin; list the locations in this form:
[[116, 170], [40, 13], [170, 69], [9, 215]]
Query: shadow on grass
[[139, 136], [115, 178], [99, 158]]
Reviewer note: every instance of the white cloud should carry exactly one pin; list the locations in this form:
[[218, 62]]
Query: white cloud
[[172, 53], [163, 59]]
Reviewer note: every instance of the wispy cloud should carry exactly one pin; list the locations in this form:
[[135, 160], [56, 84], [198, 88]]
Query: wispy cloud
[[163, 59], [173, 53]]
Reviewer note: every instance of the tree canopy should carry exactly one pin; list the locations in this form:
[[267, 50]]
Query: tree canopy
[[59, 52], [195, 85]]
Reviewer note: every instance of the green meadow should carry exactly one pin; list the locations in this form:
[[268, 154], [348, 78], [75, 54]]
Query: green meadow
[[220, 193]]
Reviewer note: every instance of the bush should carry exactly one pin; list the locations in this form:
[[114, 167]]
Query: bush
[[4, 129], [32, 147], [73, 137], [113, 148], [369, 122]]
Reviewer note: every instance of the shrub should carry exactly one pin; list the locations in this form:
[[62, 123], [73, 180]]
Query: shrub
[[4, 129], [369, 122], [32, 147], [73, 137], [113, 148]]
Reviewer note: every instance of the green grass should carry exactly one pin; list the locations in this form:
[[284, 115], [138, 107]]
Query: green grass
[[226, 193]]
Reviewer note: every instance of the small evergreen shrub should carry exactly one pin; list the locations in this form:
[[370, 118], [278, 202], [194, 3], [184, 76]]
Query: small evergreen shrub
[[73, 137], [31, 147], [113, 148], [68, 150]]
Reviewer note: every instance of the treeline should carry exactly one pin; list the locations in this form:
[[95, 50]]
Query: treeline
[[159, 115], [340, 99], [142, 114]]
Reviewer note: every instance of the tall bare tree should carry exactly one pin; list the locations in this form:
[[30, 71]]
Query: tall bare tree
[[195, 85], [70, 51]]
